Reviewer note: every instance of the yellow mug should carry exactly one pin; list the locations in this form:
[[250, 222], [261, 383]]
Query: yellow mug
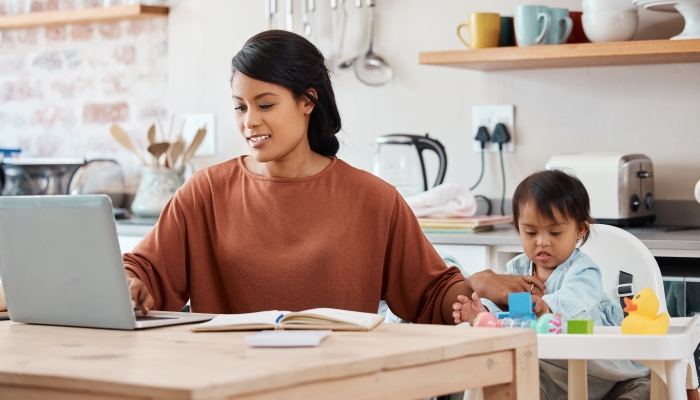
[[484, 30]]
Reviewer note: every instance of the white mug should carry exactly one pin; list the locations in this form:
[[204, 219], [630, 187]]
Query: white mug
[[697, 191]]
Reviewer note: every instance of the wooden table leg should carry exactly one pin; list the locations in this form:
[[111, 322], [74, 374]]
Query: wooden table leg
[[578, 380], [526, 378]]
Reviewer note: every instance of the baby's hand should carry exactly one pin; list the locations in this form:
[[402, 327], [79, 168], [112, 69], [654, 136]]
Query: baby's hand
[[466, 310], [541, 307]]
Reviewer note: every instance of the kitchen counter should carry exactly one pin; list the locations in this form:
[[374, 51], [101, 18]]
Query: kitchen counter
[[660, 243], [684, 243], [134, 228]]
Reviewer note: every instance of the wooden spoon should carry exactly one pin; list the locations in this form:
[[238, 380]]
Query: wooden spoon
[[157, 149], [174, 152], [198, 138], [123, 138], [152, 135]]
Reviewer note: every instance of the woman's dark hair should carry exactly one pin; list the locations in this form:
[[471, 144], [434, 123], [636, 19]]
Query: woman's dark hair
[[288, 60], [554, 190]]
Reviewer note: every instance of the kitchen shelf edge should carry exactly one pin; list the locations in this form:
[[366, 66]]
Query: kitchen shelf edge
[[640, 52], [81, 16]]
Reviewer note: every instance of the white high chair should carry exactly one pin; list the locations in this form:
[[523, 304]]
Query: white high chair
[[669, 357]]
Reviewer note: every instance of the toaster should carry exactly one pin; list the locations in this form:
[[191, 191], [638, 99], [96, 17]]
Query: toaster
[[620, 186]]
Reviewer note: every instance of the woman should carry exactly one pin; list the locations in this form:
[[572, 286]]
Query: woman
[[291, 227]]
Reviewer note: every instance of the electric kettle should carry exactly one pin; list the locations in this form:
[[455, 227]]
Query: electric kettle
[[399, 161]]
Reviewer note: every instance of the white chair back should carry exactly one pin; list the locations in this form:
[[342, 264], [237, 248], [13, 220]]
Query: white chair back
[[615, 249]]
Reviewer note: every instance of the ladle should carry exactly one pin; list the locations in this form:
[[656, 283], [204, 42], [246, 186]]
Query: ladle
[[370, 68]]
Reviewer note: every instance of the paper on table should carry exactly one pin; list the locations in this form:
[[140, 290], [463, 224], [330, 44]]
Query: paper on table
[[286, 338]]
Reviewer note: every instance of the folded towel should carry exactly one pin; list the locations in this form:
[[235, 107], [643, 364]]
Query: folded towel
[[443, 201]]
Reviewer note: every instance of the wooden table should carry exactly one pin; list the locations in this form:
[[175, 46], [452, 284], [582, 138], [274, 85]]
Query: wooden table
[[395, 361]]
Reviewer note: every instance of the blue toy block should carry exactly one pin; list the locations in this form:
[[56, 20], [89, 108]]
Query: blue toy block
[[520, 305], [502, 314]]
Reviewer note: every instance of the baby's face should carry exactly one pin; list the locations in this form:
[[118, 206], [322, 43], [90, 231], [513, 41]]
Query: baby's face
[[548, 243]]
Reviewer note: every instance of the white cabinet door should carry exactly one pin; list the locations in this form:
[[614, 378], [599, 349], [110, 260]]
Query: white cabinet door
[[473, 258]]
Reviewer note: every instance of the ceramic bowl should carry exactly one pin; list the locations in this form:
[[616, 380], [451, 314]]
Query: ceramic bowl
[[608, 6], [610, 26]]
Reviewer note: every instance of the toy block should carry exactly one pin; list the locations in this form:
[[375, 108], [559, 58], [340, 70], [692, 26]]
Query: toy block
[[520, 305], [580, 326]]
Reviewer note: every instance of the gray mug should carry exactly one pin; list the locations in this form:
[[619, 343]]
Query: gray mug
[[532, 24], [561, 26]]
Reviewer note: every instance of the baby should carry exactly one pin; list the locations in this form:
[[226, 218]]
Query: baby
[[551, 213]]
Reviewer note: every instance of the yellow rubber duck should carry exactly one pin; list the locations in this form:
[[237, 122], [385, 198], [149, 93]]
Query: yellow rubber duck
[[642, 318]]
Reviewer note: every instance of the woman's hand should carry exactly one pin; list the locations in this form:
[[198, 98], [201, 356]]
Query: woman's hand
[[466, 310], [541, 307], [496, 287], [140, 296]]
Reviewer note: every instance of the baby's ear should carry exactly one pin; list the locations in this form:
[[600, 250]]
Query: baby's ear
[[583, 228]]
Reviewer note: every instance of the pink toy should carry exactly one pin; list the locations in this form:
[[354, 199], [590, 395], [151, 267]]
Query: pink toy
[[486, 319]]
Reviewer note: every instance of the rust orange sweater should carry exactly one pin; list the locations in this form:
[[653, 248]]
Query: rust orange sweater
[[235, 242]]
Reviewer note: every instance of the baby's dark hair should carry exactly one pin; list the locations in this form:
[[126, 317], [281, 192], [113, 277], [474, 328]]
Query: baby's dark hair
[[554, 190]]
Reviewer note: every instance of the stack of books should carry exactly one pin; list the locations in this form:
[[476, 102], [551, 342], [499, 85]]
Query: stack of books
[[452, 226]]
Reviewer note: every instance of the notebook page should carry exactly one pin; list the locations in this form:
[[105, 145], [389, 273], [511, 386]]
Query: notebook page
[[335, 315], [232, 320]]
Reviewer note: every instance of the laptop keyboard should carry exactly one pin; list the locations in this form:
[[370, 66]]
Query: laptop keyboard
[[149, 318]]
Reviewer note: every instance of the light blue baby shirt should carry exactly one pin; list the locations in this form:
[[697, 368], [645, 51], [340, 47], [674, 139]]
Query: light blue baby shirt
[[575, 290]]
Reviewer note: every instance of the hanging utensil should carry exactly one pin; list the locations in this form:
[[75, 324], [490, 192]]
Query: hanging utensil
[[343, 25], [305, 18], [334, 30], [122, 138], [290, 16], [371, 69], [272, 14], [350, 61], [312, 17]]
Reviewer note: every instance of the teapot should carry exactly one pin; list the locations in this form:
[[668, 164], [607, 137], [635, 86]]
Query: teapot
[[399, 161]]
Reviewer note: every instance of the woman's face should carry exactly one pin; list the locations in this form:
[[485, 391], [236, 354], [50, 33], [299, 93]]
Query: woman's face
[[273, 123]]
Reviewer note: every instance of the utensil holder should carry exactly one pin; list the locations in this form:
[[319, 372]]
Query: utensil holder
[[157, 187]]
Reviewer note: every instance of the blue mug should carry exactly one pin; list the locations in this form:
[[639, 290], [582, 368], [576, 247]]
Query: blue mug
[[532, 24], [561, 26]]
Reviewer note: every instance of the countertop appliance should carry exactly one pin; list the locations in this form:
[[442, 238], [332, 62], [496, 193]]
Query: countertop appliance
[[399, 161], [62, 176], [620, 186]]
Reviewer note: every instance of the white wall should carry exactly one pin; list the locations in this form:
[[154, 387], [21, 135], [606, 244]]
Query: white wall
[[646, 109]]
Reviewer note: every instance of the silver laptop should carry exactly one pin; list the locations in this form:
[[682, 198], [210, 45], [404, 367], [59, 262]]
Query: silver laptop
[[60, 264]]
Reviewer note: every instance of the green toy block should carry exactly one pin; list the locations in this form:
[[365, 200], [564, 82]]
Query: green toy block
[[580, 326]]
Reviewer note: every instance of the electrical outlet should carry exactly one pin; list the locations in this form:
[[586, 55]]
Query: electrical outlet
[[489, 116], [191, 123]]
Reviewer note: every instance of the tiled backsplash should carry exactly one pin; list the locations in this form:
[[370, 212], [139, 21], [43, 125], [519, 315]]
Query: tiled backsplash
[[62, 87]]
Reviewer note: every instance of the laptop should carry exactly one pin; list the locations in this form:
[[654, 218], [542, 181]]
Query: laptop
[[60, 264]]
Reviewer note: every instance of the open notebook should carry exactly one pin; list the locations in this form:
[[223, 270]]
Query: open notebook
[[317, 318]]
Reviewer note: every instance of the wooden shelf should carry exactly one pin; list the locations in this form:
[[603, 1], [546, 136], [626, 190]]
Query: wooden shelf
[[81, 16], [568, 55]]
